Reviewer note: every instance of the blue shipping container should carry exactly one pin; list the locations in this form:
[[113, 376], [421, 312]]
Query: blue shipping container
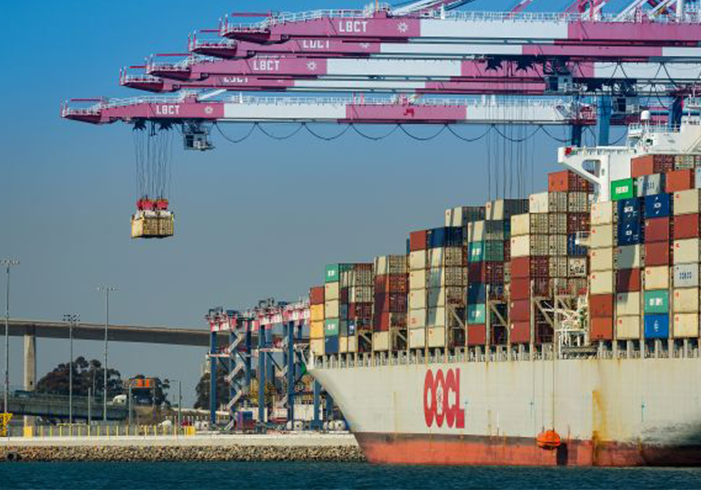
[[445, 237], [656, 326], [657, 206], [476, 293], [573, 249], [697, 175], [408, 246], [331, 345], [629, 210], [630, 233]]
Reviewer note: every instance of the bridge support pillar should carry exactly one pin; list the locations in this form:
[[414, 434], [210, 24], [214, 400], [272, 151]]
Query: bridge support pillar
[[30, 369]]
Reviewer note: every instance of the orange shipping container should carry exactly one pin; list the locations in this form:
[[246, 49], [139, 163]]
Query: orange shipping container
[[601, 329], [679, 180]]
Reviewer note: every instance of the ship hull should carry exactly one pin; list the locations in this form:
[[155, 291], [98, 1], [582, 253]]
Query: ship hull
[[622, 412], [419, 449]]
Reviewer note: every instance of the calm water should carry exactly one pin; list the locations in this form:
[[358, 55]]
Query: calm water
[[308, 476]]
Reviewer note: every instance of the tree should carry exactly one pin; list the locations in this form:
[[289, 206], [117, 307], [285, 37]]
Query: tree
[[202, 390], [87, 375]]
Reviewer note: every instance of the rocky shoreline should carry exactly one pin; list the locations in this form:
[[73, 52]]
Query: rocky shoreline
[[334, 454]]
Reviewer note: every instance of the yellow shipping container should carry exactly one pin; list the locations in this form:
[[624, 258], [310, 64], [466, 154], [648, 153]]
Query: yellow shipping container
[[317, 347], [417, 338], [601, 236], [628, 327], [627, 304], [316, 329], [685, 300], [602, 213], [436, 337], [685, 325], [353, 343], [380, 341], [332, 309], [601, 283], [686, 202], [316, 313], [601, 259], [656, 278], [343, 345]]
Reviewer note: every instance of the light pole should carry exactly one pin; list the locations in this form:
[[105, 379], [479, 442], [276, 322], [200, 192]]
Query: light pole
[[71, 320], [180, 403], [7, 263], [107, 290]]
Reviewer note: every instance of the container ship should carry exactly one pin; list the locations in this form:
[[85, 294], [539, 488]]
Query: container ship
[[562, 329]]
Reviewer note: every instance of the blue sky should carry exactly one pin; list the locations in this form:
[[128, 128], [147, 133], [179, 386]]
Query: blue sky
[[254, 220]]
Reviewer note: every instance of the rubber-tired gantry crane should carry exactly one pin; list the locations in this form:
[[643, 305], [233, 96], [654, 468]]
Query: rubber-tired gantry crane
[[424, 62]]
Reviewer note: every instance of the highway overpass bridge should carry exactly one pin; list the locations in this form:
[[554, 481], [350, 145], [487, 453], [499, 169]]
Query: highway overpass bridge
[[57, 406], [33, 329]]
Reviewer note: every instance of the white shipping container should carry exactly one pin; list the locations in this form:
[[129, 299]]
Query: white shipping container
[[686, 251], [539, 203], [436, 257], [601, 236], [436, 337], [601, 259], [475, 231], [417, 338], [332, 309], [557, 223], [417, 318], [685, 325], [686, 276], [628, 257], [521, 246], [602, 213], [601, 282], [578, 202], [656, 278], [417, 260], [417, 299], [390, 264], [576, 267], [417, 279], [436, 317], [317, 346], [627, 304], [332, 290], [436, 297], [520, 224], [557, 202], [380, 341], [628, 327], [343, 345], [686, 202], [557, 245], [685, 300], [353, 343], [454, 257], [650, 185]]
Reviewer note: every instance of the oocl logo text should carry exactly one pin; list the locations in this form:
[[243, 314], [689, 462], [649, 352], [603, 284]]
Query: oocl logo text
[[442, 399]]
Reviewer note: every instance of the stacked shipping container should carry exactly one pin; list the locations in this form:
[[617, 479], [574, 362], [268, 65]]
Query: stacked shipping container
[[389, 323], [316, 320]]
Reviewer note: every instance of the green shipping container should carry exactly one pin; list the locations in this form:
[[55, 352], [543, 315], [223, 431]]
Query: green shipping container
[[331, 328], [657, 301], [623, 189], [476, 314], [475, 252], [333, 273], [493, 251]]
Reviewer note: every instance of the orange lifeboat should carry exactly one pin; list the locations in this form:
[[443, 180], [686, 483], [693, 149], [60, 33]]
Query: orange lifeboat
[[549, 440]]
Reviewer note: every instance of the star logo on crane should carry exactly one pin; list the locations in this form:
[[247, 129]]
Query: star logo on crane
[[403, 27], [311, 66], [365, 45], [209, 110]]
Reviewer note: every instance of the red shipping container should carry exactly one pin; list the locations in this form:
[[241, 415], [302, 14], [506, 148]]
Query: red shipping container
[[316, 295], [494, 272], [628, 280], [651, 164], [418, 240], [359, 310], [657, 230], [391, 302], [679, 180], [475, 272], [344, 295], [601, 329], [520, 311], [476, 334], [520, 289], [657, 253], [527, 267], [578, 222], [380, 322], [567, 181], [392, 283], [686, 226], [601, 305], [520, 333]]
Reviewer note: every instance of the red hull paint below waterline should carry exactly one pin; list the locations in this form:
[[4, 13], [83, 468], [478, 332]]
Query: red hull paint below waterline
[[515, 451]]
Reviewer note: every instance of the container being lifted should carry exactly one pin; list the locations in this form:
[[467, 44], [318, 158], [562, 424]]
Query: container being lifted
[[152, 219]]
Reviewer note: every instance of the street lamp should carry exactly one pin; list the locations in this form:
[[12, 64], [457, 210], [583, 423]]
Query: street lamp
[[72, 320], [7, 263], [180, 403], [107, 290]]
